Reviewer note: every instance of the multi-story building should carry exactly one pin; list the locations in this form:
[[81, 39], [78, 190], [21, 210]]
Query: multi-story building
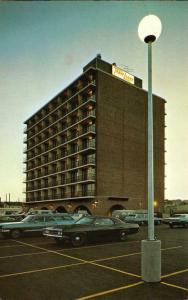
[[87, 147]]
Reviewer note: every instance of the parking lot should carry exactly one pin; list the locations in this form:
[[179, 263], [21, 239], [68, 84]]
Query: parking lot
[[36, 268]]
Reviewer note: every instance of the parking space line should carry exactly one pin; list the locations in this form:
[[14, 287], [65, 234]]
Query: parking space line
[[131, 254], [24, 254], [10, 246], [101, 245], [113, 269], [174, 286], [118, 256], [40, 270], [110, 291], [52, 251], [96, 260], [171, 248], [174, 273], [83, 261]]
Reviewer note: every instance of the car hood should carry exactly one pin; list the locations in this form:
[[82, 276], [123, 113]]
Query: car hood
[[171, 219], [10, 224]]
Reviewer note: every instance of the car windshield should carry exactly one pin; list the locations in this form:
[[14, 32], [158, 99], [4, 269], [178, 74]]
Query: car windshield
[[27, 219], [85, 220], [32, 218], [67, 218]]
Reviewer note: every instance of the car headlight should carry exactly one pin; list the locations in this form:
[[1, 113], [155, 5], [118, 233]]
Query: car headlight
[[5, 230], [60, 232]]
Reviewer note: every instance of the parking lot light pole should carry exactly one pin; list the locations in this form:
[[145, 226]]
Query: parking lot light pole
[[149, 30]]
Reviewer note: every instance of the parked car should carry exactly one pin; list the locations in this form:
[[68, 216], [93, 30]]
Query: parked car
[[33, 223], [179, 220], [77, 216], [11, 218], [40, 212], [92, 228], [140, 218]]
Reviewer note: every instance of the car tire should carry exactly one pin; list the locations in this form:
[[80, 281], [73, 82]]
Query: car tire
[[59, 241], [78, 239], [15, 233], [171, 225], [123, 235]]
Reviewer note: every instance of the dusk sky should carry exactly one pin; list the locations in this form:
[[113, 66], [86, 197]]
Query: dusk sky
[[45, 45]]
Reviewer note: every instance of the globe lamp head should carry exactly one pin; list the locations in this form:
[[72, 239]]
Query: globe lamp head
[[149, 29]]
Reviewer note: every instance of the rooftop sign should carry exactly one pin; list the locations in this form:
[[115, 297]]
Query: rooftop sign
[[122, 74]]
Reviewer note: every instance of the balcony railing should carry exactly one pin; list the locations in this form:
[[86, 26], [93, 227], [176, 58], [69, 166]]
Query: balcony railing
[[64, 168], [88, 145], [64, 181], [65, 196], [91, 98], [55, 108]]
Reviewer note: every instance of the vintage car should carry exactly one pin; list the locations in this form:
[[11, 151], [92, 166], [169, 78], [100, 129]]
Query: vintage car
[[140, 219], [179, 220], [92, 228], [33, 224], [11, 218]]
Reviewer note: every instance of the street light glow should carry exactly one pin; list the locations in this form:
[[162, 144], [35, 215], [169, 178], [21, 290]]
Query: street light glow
[[149, 28]]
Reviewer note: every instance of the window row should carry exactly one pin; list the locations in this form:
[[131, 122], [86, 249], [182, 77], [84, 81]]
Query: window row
[[61, 166], [66, 137], [65, 152], [76, 191]]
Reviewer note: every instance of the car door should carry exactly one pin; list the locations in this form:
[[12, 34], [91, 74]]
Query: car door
[[104, 229], [49, 221], [38, 223], [33, 223]]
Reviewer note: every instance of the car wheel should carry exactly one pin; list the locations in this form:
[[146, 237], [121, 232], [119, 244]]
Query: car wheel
[[59, 241], [78, 239], [171, 225], [123, 236], [15, 233]]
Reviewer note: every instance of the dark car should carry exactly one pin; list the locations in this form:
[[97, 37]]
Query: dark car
[[92, 228], [33, 224]]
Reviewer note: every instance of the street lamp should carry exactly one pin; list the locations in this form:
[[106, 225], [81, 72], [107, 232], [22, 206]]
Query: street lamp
[[149, 30]]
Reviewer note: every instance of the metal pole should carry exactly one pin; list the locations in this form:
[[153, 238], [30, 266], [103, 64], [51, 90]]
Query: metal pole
[[151, 235], [150, 248]]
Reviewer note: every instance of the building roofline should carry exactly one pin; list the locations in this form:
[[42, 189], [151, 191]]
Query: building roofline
[[77, 78]]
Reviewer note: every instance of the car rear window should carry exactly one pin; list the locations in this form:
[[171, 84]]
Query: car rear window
[[104, 222], [85, 220]]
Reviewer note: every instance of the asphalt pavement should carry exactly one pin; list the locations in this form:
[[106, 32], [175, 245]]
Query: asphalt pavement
[[35, 268]]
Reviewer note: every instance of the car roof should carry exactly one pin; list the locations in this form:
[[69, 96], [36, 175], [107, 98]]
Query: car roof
[[101, 217]]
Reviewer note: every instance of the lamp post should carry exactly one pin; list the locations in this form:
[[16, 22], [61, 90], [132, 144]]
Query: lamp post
[[149, 30]]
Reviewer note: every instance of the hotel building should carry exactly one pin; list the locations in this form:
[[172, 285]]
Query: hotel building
[[87, 147]]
